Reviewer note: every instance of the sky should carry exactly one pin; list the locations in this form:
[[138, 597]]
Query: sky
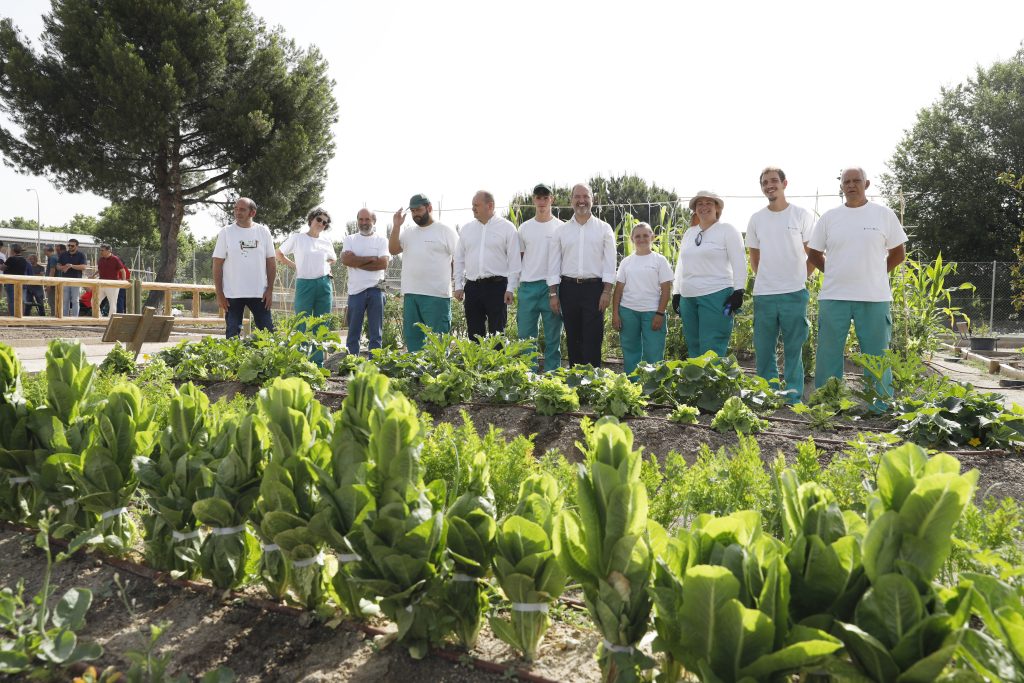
[[448, 98]]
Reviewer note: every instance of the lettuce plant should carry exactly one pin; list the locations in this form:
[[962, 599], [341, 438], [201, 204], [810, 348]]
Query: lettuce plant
[[471, 530], [606, 547], [552, 397], [526, 565], [736, 416]]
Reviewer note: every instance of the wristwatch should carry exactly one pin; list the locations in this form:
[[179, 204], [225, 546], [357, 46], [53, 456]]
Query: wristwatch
[[552, 294]]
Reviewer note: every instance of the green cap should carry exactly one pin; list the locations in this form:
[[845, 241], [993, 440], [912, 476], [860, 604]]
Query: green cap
[[542, 190], [418, 200]]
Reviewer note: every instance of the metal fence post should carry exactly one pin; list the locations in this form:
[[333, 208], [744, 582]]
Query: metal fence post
[[992, 301]]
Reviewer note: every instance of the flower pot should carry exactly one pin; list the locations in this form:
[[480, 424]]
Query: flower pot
[[983, 343]]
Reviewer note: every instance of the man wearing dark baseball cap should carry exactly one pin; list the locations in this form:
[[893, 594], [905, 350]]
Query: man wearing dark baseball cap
[[428, 251], [535, 240]]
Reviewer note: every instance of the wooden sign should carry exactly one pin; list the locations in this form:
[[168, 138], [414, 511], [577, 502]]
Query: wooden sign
[[135, 330]]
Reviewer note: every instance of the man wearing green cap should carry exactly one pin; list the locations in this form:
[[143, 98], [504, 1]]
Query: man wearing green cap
[[427, 252], [536, 237], [856, 246], [777, 238]]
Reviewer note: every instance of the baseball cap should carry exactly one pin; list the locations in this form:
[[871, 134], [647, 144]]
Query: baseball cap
[[418, 200]]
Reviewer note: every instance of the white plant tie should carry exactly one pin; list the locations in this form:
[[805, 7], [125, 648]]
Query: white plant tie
[[113, 513], [317, 559], [178, 536], [271, 547], [138, 461], [20, 480], [347, 557], [542, 607], [68, 502], [621, 649], [463, 578], [227, 530], [409, 609]]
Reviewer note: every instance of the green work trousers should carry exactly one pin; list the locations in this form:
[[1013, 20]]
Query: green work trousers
[[705, 327], [872, 322], [314, 297], [784, 314], [533, 303], [433, 311], [639, 342]]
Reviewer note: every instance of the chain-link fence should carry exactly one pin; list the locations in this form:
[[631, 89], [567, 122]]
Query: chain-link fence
[[990, 306]]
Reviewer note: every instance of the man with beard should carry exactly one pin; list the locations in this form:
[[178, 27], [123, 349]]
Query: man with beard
[[777, 238], [428, 251], [366, 255], [487, 265], [536, 236], [581, 276], [71, 264], [856, 246]]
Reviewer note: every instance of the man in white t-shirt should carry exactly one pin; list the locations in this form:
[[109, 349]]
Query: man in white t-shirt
[[366, 255], [536, 237], [856, 246], [487, 265], [428, 251], [777, 238], [244, 268]]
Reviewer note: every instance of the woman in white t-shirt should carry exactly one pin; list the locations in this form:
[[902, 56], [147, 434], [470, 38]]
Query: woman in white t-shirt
[[313, 254], [710, 276], [642, 288]]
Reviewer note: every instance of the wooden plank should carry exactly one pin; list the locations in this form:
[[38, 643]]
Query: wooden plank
[[87, 321]]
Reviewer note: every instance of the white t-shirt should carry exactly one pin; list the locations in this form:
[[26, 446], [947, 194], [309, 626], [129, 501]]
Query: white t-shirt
[[487, 250], [641, 278], [427, 255], [718, 263], [245, 252], [535, 244], [780, 237], [365, 245], [856, 243], [313, 255]]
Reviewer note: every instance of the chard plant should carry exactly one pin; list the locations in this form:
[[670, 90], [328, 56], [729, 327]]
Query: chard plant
[[471, 531], [735, 416], [173, 479], [997, 652], [288, 493], [619, 397], [526, 565], [606, 546], [402, 539], [225, 506]]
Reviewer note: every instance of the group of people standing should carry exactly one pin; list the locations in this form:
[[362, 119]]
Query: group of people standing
[[564, 275]]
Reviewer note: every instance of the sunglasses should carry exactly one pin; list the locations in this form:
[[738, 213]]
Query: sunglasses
[[322, 220], [700, 238]]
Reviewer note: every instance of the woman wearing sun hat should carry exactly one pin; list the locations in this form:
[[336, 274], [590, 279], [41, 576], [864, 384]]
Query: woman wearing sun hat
[[710, 276]]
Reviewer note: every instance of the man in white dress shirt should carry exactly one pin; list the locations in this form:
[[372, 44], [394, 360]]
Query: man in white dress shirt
[[536, 236], [581, 277], [487, 265]]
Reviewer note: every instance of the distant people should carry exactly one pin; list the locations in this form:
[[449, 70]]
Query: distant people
[[244, 269], [777, 237], [110, 267], [85, 304], [710, 276], [581, 274], [16, 264], [34, 293], [72, 264], [365, 254], [428, 251], [314, 255], [642, 289], [856, 246], [3, 257], [536, 238], [52, 261], [487, 266]]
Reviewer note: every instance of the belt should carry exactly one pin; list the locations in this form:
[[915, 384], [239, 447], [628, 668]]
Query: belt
[[581, 280], [492, 278]]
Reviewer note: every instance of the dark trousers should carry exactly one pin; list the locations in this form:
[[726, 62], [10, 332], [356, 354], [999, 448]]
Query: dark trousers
[[262, 319], [584, 323], [486, 312]]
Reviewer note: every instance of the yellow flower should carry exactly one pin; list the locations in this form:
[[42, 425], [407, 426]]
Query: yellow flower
[[974, 442]]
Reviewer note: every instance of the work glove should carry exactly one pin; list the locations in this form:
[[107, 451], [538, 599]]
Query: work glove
[[734, 303], [675, 303]]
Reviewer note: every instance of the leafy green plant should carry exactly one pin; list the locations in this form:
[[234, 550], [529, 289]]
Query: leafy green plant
[[505, 385], [606, 546], [526, 565], [35, 636], [551, 396], [997, 652], [619, 398], [834, 395], [118, 361], [684, 414], [736, 416], [818, 416], [705, 382], [922, 304], [450, 386]]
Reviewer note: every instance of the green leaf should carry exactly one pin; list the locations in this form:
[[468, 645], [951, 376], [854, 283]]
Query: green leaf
[[890, 609], [58, 648], [70, 611]]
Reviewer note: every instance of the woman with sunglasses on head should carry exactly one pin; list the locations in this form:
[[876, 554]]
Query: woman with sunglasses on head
[[313, 254], [710, 276]]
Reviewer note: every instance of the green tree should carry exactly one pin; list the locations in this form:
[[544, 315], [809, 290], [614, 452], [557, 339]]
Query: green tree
[[132, 223], [175, 103], [81, 224], [19, 223], [946, 167]]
